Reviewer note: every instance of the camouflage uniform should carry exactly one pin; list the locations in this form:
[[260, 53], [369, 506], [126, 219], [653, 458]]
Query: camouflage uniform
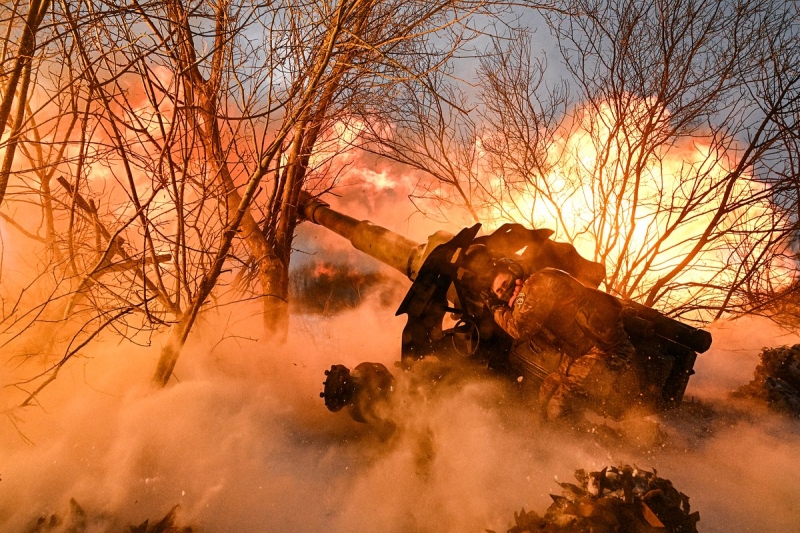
[[584, 325]]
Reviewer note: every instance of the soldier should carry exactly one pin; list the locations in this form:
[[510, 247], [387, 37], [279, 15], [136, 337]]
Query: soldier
[[584, 325]]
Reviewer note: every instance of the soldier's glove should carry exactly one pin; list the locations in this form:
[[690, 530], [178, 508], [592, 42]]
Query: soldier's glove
[[491, 300]]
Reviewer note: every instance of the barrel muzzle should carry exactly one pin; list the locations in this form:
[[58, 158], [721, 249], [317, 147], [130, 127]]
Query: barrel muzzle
[[366, 391], [339, 388]]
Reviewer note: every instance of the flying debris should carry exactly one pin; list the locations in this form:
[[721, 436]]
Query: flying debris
[[451, 275], [620, 500], [776, 380]]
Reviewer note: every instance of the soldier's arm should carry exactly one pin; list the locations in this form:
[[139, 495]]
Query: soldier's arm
[[504, 316], [533, 305]]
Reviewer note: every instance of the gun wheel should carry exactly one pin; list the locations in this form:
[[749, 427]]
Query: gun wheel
[[466, 337]]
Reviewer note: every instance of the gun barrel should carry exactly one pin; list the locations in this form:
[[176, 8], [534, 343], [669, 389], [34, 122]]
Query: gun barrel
[[388, 247]]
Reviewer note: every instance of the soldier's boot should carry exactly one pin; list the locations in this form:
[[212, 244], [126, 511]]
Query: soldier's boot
[[561, 402], [597, 375]]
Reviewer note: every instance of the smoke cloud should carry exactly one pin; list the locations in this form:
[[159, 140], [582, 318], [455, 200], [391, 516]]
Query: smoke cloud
[[243, 442]]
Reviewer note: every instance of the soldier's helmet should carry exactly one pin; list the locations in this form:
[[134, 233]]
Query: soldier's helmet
[[505, 264], [507, 275], [483, 267]]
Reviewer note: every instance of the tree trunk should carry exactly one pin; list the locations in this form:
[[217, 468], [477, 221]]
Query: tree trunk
[[274, 281], [20, 71]]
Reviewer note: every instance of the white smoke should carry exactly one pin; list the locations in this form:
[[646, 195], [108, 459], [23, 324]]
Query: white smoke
[[244, 443]]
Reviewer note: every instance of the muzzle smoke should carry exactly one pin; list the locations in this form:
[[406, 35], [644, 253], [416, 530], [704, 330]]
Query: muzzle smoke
[[243, 442]]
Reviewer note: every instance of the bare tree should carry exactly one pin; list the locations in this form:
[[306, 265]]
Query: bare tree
[[435, 134], [180, 135], [665, 151]]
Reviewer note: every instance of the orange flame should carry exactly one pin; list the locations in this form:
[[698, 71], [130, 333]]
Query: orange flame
[[625, 192]]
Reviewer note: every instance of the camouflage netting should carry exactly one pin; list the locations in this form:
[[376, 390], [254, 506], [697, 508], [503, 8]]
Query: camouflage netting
[[777, 379], [614, 500]]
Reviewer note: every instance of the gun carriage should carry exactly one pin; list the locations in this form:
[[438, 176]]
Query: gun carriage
[[448, 273]]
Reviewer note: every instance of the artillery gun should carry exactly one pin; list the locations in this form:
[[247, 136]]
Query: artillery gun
[[448, 273]]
